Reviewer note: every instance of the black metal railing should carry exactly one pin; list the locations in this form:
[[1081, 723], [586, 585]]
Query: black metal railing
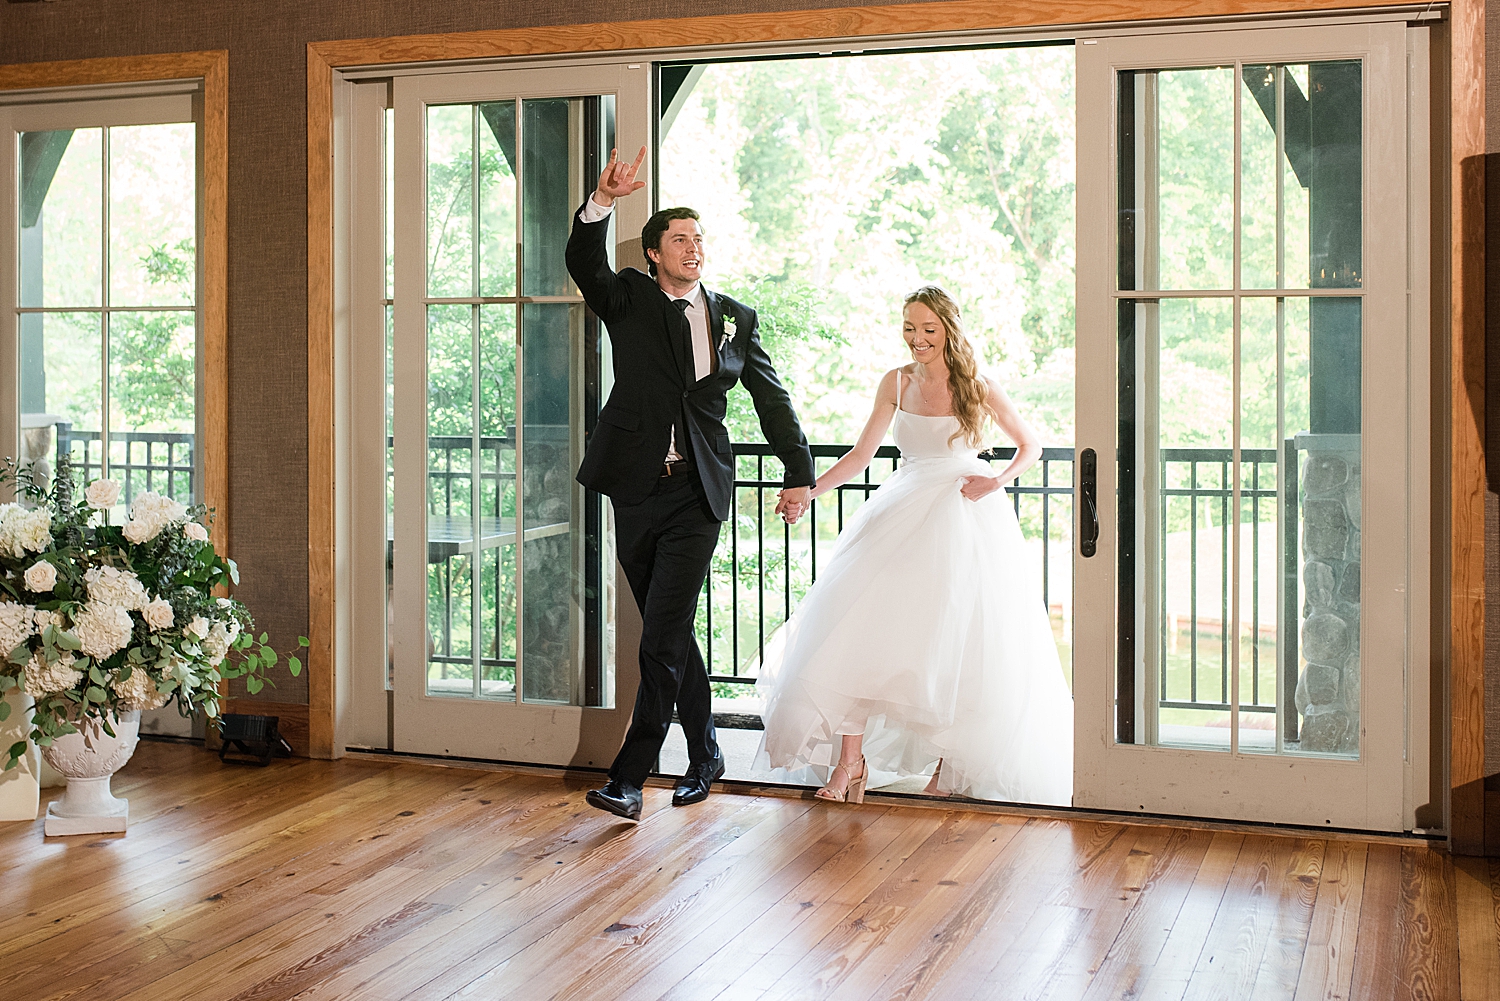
[[1182, 478], [163, 461], [450, 475]]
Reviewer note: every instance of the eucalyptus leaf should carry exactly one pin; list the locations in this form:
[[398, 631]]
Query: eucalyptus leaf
[[294, 665]]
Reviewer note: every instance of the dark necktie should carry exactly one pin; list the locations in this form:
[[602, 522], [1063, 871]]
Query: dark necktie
[[684, 448]]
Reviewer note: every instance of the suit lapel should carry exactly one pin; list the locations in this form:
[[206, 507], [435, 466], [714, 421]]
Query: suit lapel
[[715, 327]]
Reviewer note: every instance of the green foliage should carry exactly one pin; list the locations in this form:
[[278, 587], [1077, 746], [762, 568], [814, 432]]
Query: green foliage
[[864, 178], [153, 355]]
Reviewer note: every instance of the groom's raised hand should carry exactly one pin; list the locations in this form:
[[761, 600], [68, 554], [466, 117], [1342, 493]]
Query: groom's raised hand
[[618, 179]]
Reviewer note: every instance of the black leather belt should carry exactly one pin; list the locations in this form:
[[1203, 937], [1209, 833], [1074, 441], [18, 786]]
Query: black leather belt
[[676, 468]]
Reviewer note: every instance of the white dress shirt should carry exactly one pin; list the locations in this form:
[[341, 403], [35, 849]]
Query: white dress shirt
[[697, 317]]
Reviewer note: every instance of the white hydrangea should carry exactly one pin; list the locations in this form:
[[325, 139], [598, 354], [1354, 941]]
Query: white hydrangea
[[216, 645], [16, 624], [23, 531], [110, 586], [138, 691], [103, 630], [41, 678], [150, 512], [157, 613]]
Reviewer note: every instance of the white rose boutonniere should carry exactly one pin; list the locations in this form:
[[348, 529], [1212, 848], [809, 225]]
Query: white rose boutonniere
[[729, 331]]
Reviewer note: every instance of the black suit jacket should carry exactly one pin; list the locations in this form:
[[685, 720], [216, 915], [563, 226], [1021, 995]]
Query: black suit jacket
[[654, 384]]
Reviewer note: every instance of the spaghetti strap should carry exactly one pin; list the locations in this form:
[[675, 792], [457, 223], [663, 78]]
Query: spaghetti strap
[[898, 389]]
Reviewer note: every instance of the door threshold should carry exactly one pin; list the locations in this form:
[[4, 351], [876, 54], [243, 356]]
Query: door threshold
[[918, 801]]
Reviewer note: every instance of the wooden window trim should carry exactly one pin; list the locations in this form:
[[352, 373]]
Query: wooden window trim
[[212, 67], [1464, 644]]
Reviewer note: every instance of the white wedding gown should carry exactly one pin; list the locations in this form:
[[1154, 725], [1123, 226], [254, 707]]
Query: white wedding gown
[[926, 629]]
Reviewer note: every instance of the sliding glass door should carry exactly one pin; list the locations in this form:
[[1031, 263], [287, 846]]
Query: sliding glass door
[[1243, 387]]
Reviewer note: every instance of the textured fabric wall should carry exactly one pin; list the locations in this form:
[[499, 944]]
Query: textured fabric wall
[[267, 217]]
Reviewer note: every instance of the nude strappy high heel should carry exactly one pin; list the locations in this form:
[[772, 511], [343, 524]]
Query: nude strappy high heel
[[932, 784], [854, 789]]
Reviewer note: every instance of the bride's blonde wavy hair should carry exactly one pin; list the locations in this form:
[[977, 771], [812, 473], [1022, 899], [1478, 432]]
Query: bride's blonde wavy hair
[[964, 384]]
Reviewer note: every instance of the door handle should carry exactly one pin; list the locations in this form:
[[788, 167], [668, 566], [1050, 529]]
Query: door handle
[[1088, 483]]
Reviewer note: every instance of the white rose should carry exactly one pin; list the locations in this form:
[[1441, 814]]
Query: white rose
[[102, 494], [150, 512], [102, 630], [158, 613], [40, 576], [198, 627], [195, 531]]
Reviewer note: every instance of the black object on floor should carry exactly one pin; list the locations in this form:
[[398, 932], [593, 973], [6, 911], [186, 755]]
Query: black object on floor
[[256, 737]]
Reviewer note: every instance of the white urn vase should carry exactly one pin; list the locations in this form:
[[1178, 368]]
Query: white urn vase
[[89, 758]]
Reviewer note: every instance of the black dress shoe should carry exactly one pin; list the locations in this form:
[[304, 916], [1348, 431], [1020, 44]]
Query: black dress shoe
[[693, 787], [619, 798]]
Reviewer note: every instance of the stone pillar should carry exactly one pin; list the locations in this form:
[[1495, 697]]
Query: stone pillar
[[1328, 686]]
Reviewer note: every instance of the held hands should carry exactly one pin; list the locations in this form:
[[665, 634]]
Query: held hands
[[792, 503], [977, 487], [618, 179]]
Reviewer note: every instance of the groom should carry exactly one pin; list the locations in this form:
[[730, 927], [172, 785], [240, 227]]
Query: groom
[[660, 452]]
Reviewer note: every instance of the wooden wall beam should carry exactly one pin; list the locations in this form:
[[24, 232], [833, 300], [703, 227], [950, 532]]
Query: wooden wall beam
[[322, 597], [1467, 462], [796, 26]]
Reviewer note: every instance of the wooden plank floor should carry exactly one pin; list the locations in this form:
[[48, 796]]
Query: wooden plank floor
[[385, 880]]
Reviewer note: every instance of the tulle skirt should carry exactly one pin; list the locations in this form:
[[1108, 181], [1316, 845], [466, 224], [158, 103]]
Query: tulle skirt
[[926, 631]]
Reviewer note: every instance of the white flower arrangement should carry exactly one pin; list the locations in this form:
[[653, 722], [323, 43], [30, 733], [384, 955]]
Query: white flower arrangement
[[97, 619]]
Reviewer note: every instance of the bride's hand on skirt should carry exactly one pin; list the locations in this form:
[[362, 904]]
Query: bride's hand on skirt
[[978, 487]]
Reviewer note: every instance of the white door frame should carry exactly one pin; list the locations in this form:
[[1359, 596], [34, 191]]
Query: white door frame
[[493, 729], [1368, 793]]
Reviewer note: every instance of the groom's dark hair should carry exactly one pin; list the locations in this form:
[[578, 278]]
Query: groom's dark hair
[[651, 233]]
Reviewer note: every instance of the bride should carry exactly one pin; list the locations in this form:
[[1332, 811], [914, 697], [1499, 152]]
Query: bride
[[925, 645]]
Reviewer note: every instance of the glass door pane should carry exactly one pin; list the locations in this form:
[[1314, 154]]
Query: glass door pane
[[1239, 412], [510, 607]]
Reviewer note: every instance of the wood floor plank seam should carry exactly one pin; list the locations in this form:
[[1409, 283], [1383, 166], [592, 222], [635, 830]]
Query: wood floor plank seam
[[389, 881]]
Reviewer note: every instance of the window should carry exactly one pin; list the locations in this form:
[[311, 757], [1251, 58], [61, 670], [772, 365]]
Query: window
[[107, 305]]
